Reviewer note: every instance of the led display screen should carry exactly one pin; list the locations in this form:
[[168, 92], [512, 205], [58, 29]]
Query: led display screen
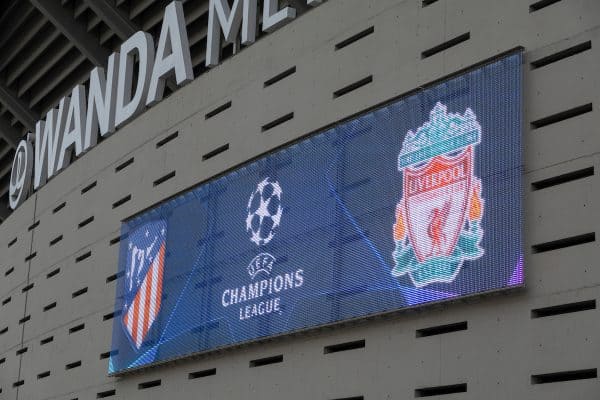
[[415, 202]]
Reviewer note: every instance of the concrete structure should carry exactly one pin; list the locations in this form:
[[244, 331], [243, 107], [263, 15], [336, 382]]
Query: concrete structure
[[58, 252]]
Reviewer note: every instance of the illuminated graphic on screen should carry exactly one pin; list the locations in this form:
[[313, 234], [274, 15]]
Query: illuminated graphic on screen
[[440, 192], [264, 212], [143, 279], [415, 202], [264, 216]]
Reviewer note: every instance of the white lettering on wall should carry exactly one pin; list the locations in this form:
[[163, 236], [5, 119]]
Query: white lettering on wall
[[47, 138], [274, 18], [130, 104], [172, 54], [221, 18], [72, 138], [112, 101], [101, 102]]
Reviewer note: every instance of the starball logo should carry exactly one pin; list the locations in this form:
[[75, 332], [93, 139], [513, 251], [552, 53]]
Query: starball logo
[[261, 296], [264, 212]]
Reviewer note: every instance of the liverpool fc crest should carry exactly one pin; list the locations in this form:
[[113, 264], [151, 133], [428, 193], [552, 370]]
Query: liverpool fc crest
[[438, 218]]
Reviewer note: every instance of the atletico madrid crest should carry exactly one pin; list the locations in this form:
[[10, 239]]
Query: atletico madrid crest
[[143, 280], [439, 216]]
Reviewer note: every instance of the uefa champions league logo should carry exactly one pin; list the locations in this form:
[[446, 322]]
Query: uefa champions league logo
[[262, 295], [264, 212], [438, 218]]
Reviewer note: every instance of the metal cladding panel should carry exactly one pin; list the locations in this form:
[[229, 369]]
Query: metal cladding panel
[[415, 202]]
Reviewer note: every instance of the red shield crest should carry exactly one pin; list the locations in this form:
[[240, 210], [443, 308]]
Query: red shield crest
[[436, 197]]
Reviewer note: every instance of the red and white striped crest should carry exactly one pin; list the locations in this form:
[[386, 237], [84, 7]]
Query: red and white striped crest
[[142, 312]]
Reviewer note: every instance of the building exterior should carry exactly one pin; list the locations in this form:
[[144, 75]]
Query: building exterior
[[59, 249]]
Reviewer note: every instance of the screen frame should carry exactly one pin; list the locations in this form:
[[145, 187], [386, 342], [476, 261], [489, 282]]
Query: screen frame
[[355, 321]]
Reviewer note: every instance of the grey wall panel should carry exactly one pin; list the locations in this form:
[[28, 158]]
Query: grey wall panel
[[11, 314], [503, 345], [565, 215]]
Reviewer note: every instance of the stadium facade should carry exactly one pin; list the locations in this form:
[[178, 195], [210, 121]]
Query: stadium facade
[[342, 199]]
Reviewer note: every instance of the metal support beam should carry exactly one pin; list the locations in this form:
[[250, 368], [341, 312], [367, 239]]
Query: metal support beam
[[6, 170], [17, 107], [73, 30], [3, 190], [8, 132], [113, 17], [4, 212], [5, 151]]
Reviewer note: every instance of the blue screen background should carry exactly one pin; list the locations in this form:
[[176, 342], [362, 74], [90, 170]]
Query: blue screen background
[[340, 188]]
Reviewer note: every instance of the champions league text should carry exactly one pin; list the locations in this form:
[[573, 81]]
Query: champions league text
[[259, 289]]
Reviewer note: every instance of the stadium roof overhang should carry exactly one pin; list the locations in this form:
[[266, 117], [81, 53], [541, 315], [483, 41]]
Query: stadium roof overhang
[[49, 46]]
